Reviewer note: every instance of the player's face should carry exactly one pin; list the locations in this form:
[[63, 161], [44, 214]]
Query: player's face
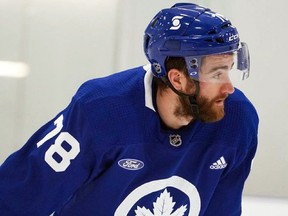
[[215, 86]]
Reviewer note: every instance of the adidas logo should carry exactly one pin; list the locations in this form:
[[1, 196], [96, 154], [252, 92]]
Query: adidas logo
[[220, 164]]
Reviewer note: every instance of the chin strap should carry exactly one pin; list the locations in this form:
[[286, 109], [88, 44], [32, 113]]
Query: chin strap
[[192, 98], [194, 106]]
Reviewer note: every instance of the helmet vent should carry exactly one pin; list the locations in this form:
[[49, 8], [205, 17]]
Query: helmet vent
[[172, 45], [226, 25], [212, 32], [154, 23], [146, 42], [220, 40]]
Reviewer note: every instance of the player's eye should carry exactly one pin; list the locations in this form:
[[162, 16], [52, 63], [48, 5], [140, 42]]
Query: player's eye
[[217, 75]]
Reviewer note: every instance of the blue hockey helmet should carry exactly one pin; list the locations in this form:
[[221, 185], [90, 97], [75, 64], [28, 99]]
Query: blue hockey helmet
[[191, 31]]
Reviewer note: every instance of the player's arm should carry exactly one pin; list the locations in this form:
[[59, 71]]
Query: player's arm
[[49, 168]]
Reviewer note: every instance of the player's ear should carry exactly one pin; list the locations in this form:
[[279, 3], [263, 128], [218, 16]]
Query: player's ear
[[176, 78]]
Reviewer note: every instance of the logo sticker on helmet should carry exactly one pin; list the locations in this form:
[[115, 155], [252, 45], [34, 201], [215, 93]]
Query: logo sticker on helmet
[[233, 37], [176, 22]]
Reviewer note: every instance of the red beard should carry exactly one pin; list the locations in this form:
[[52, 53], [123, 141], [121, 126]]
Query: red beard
[[209, 110]]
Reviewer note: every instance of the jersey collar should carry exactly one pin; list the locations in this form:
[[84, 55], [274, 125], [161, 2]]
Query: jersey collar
[[148, 78]]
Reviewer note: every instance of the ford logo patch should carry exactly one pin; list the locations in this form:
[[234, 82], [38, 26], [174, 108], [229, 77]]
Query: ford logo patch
[[131, 164]]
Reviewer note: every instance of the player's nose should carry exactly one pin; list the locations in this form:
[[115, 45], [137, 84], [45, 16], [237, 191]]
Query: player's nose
[[228, 87]]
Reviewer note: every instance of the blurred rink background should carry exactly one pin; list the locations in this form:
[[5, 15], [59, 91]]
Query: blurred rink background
[[62, 43]]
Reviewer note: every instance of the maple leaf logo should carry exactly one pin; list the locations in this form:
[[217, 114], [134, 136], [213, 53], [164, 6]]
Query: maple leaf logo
[[162, 207]]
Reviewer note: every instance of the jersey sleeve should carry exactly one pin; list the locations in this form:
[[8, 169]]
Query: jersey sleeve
[[41, 176]]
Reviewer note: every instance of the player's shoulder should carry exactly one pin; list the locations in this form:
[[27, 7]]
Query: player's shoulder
[[113, 85], [241, 117], [240, 106], [239, 127], [238, 95]]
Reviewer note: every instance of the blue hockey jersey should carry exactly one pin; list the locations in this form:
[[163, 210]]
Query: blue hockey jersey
[[107, 153]]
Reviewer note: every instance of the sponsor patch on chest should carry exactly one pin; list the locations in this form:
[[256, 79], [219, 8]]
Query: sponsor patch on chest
[[131, 164]]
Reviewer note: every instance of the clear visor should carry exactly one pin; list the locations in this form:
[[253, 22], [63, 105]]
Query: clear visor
[[221, 68]]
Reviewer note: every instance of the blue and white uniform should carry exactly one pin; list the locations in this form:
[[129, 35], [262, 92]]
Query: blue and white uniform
[[107, 154]]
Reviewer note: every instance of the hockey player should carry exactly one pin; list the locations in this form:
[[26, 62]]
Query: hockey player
[[170, 138]]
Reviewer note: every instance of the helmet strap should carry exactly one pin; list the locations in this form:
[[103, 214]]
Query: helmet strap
[[192, 98]]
